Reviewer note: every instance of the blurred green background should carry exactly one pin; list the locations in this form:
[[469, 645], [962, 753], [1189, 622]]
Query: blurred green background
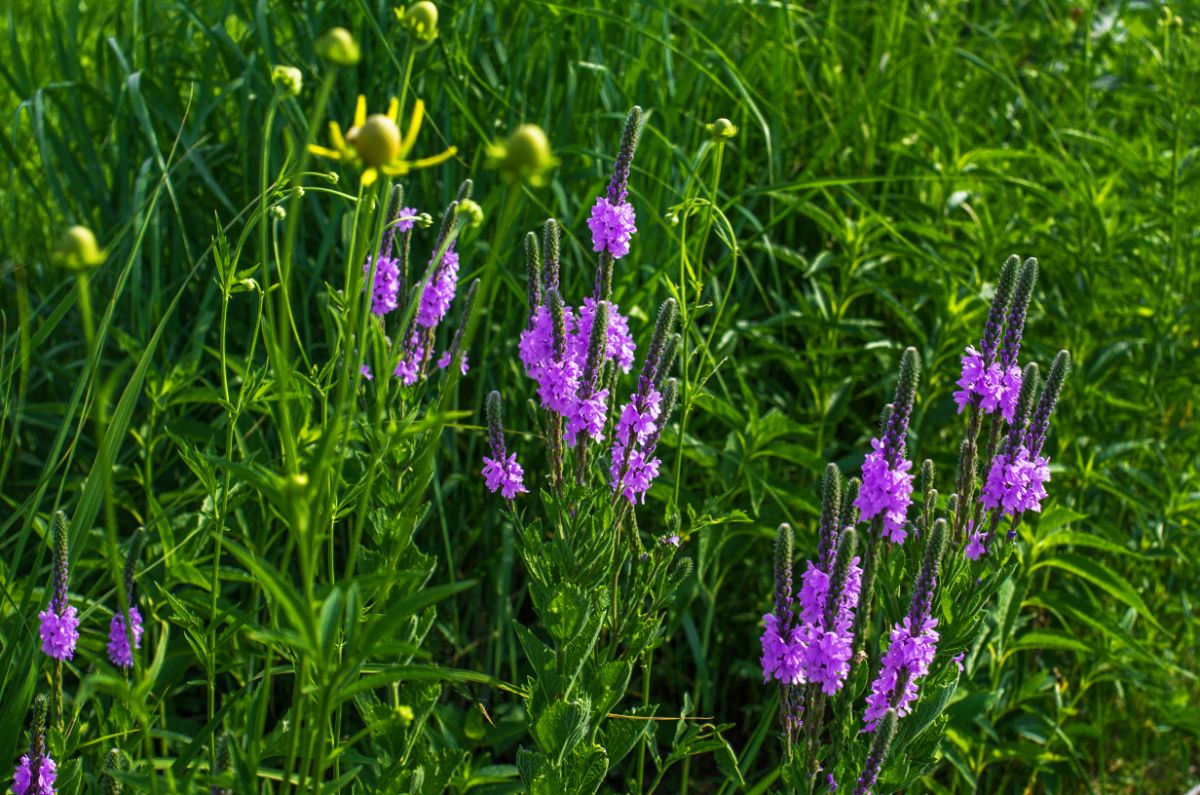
[[890, 155]]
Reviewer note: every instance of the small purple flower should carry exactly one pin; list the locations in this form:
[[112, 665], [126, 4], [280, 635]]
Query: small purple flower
[[444, 361], [826, 658], [639, 417], [782, 657], [407, 218], [887, 490], [439, 291], [59, 631], [408, 370], [976, 544], [672, 540], [118, 641], [992, 387], [832, 782], [620, 347], [958, 660], [1016, 482], [612, 226], [639, 474], [826, 651], [907, 659], [589, 417], [366, 372], [23, 783], [387, 284], [504, 474]]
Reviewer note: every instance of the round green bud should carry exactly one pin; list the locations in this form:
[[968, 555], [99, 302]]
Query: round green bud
[[377, 141], [525, 156], [338, 47], [722, 128], [470, 211], [78, 249], [288, 80], [421, 21]]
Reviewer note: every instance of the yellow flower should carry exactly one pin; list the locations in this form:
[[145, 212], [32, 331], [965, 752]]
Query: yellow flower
[[374, 144]]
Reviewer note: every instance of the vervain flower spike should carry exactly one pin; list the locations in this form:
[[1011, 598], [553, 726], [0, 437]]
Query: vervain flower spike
[[119, 651], [60, 620], [913, 641], [374, 144], [501, 472], [36, 771]]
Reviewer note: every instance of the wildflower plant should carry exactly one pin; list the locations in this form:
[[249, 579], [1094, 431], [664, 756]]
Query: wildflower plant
[[867, 652], [599, 591]]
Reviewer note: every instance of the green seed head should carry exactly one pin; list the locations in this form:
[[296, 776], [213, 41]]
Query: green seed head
[[288, 80], [525, 156], [421, 21], [78, 249], [722, 128], [470, 211], [338, 47], [377, 141]]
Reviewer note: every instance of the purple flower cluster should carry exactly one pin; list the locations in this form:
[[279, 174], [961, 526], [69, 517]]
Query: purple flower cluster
[[612, 225], [118, 640], [23, 778], [503, 473], [439, 291], [976, 543], [886, 489], [1016, 482], [387, 284], [812, 650], [59, 630], [558, 378], [991, 386], [386, 289], [782, 652], [634, 466], [907, 659], [444, 361]]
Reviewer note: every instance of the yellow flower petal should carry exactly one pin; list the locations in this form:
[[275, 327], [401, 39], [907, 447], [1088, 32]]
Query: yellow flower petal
[[414, 125], [394, 110], [426, 162], [335, 135], [360, 111], [369, 176], [321, 151]]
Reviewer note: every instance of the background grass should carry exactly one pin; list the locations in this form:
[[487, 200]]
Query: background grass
[[890, 156]]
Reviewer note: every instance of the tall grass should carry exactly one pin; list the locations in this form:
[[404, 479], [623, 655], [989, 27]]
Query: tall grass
[[889, 157]]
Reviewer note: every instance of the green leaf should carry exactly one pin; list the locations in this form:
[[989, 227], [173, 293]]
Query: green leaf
[[1103, 577], [561, 727]]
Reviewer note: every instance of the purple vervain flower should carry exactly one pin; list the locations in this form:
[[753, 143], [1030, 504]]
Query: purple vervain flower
[[612, 226], [444, 361], [23, 783], [59, 628], [992, 387], [782, 652], [387, 284], [907, 659], [439, 291], [886, 489], [118, 640], [1016, 482], [501, 471], [976, 543], [36, 771], [59, 631]]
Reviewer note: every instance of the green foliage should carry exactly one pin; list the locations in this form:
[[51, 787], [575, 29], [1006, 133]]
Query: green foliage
[[885, 157]]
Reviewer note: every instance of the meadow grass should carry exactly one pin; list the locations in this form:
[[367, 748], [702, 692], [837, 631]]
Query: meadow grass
[[889, 156]]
